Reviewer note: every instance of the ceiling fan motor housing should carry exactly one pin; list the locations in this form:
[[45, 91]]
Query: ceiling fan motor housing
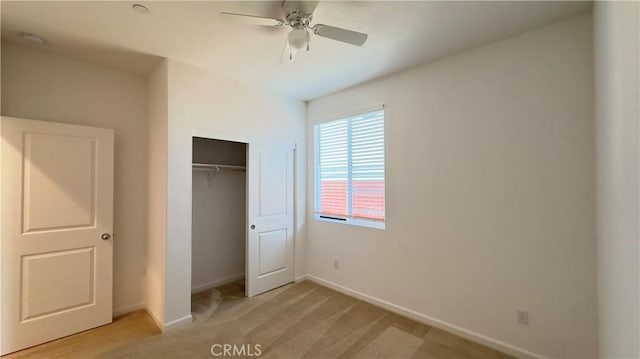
[[296, 18]]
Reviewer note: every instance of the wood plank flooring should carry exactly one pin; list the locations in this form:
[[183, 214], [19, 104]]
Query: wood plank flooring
[[96, 342]]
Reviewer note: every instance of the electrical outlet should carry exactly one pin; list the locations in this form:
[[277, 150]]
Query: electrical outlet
[[336, 264], [523, 317]]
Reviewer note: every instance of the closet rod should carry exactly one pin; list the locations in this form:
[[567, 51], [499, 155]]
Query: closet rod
[[218, 167]]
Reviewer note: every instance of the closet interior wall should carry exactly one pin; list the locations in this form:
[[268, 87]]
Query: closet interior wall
[[218, 214]]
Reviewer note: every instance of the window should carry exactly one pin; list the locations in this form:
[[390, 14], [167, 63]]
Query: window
[[349, 170]]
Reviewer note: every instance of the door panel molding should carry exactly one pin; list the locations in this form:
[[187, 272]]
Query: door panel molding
[[51, 300], [39, 163]]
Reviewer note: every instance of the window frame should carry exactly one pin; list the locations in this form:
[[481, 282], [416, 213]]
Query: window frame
[[339, 219]]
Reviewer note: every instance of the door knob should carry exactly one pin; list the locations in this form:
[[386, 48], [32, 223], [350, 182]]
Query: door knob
[[253, 226], [105, 236]]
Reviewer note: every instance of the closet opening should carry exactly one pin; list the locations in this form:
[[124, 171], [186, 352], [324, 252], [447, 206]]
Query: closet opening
[[218, 233]]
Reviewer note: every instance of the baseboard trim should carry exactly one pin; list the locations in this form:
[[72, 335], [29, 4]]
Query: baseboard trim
[[153, 316], [175, 324], [217, 283], [126, 310], [478, 338], [301, 278]]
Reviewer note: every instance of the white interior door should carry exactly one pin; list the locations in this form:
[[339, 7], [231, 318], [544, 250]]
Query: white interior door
[[56, 223], [270, 218]]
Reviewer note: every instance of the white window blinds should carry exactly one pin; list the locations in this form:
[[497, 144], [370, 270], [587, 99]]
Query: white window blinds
[[349, 164]]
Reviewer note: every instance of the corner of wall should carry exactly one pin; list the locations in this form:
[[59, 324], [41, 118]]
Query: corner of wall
[[617, 89], [155, 270]]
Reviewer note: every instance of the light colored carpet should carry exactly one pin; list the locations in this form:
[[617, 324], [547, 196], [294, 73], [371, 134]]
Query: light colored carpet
[[303, 320]]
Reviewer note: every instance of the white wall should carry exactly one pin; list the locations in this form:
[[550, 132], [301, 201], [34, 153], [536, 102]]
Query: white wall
[[218, 215], [617, 38], [157, 192], [42, 86], [205, 101], [490, 193]]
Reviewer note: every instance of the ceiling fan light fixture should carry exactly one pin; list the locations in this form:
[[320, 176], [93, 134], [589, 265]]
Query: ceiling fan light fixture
[[297, 38]]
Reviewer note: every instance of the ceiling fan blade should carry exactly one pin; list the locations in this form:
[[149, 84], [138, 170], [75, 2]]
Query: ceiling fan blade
[[255, 20], [343, 35], [308, 7]]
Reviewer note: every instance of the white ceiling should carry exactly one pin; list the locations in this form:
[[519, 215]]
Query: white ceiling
[[402, 34]]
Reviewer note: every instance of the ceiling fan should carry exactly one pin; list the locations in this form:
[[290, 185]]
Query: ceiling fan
[[298, 15]]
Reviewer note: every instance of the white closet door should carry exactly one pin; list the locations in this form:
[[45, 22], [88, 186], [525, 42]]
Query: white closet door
[[57, 217], [270, 218]]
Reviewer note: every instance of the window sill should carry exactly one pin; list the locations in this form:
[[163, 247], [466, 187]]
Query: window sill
[[360, 222]]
